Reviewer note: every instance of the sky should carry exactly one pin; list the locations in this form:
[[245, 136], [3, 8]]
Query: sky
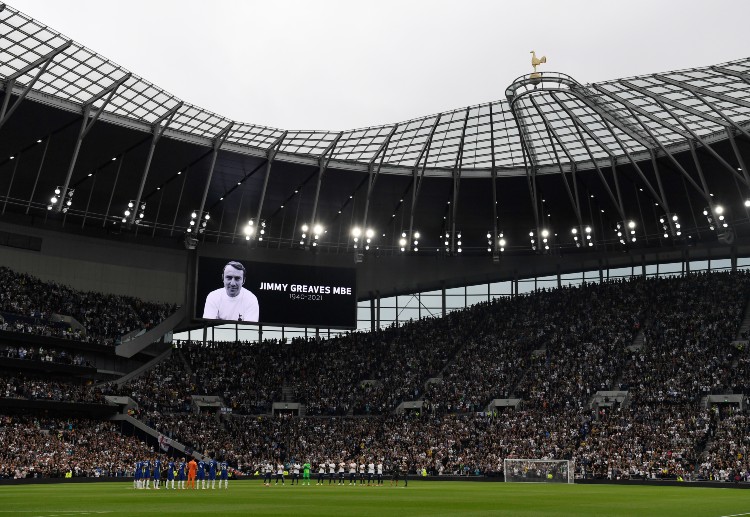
[[344, 64]]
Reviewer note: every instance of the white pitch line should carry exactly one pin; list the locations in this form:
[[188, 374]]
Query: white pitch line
[[735, 515]]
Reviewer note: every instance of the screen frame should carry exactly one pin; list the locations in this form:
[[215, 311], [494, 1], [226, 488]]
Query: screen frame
[[247, 262]]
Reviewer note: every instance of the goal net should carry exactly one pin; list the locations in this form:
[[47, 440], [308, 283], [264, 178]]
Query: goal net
[[521, 470]]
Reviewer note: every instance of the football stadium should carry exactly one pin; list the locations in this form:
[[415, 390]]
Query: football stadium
[[538, 305]]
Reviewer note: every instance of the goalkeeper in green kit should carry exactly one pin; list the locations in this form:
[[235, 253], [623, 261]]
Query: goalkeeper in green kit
[[306, 473]]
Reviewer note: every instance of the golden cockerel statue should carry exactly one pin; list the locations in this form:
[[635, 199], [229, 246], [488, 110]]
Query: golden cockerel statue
[[535, 61]]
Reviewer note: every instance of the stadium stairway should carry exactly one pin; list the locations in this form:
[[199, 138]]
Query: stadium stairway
[[178, 353], [138, 371], [637, 344], [287, 393], [744, 330], [153, 432], [139, 343]]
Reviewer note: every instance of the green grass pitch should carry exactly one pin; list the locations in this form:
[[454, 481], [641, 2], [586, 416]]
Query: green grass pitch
[[421, 498]]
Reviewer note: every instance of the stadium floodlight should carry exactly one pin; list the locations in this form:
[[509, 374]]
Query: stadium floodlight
[[716, 218], [582, 237], [196, 222], [130, 210], [61, 200], [747, 203], [262, 230], [626, 231], [317, 229], [500, 242], [542, 242], [670, 225]]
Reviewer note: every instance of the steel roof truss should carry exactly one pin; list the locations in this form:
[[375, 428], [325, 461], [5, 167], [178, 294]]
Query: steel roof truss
[[456, 183], [672, 159], [615, 201], [270, 156], [607, 117], [632, 108], [551, 133], [706, 91], [218, 141], [417, 180], [374, 172], [322, 166], [10, 81], [86, 126], [158, 130], [495, 235], [675, 104], [705, 145]]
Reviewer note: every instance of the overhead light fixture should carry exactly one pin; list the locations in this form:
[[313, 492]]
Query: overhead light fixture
[[670, 225], [626, 232], [61, 201]]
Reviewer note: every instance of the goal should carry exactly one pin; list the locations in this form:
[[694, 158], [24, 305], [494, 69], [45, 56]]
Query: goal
[[523, 470]]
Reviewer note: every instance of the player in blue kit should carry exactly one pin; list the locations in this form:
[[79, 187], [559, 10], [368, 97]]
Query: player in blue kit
[[146, 468], [224, 474], [181, 475], [157, 473], [212, 464], [170, 475], [137, 475], [201, 474]]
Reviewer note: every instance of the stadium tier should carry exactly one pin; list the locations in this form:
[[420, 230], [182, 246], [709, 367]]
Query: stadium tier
[[555, 351]]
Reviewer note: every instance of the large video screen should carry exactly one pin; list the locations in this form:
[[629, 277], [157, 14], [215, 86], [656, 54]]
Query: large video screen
[[275, 294]]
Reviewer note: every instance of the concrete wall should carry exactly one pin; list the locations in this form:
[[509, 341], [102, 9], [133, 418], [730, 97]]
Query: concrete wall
[[91, 264]]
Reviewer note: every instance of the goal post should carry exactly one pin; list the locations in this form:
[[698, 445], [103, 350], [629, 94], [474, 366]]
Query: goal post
[[525, 470]]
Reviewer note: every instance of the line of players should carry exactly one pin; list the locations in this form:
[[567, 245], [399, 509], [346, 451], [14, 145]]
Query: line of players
[[205, 472], [334, 473]]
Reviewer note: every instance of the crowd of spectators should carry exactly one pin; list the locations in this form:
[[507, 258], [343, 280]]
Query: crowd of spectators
[[42, 354], [725, 457], [650, 441], [688, 351], [553, 349], [28, 304], [55, 447], [37, 387]]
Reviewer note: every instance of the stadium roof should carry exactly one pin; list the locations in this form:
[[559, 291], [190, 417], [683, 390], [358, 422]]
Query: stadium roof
[[679, 138]]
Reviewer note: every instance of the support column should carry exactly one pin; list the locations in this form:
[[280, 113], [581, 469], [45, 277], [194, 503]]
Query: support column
[[86, 125], [218, 141], [12, 177], [38, 173], [158, 130], [322, 166], [270, 156], [10, 81]]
